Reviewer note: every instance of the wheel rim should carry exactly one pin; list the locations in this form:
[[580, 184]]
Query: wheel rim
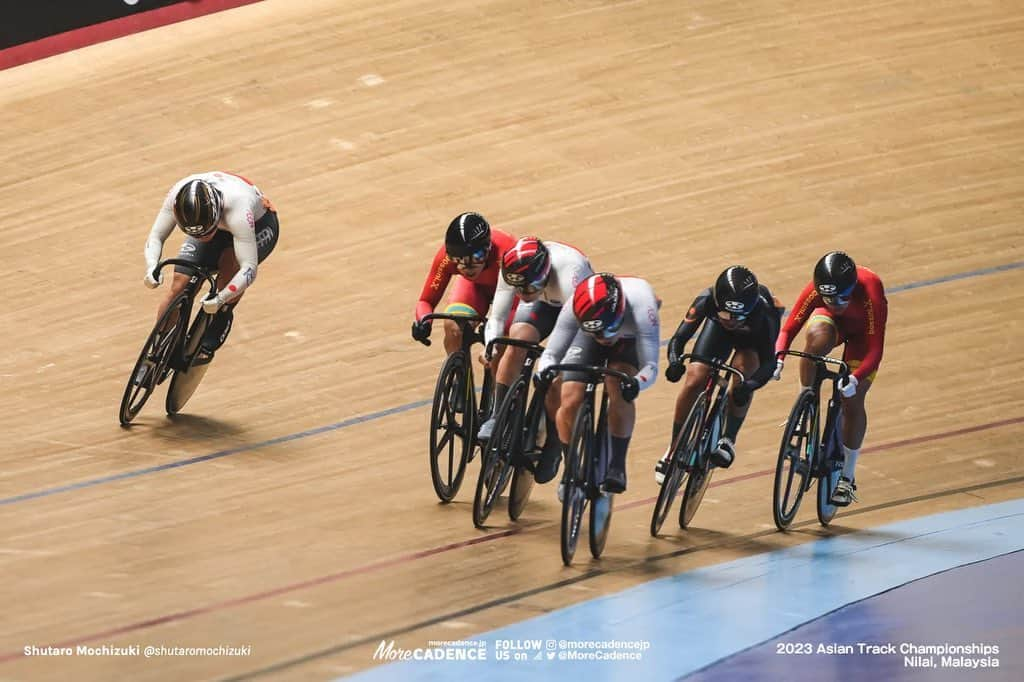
[[793, 467], [696, 486], [600, 522], [448, 438], [156, 353], [575, 496]]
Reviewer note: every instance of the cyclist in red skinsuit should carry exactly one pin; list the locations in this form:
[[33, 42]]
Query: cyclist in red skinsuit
[[845, 304], [473, 251]]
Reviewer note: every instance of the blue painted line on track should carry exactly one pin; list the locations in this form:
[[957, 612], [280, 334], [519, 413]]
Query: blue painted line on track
[[47, 492], [215, 455], [694, 619]]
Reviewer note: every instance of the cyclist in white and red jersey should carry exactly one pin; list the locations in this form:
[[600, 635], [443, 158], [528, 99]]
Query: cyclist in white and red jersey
[[537, 279], [615, 322], [231, 228]]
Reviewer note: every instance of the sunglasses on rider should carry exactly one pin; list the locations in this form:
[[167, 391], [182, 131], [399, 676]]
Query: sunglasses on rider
[[478, 257], [726, 316], [839, 299]]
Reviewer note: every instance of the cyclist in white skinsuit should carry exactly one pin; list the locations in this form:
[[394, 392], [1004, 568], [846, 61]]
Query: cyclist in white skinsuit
[[543, 276], [615, 322], [231, 228]]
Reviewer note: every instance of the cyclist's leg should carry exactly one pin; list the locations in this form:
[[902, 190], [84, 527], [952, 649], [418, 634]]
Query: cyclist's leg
[[267, 233], [621, 414], [466, 298], [583, 350], [855, 418], [531, 322], [712, 342], [747, 361], [202, 252], [822, 336]]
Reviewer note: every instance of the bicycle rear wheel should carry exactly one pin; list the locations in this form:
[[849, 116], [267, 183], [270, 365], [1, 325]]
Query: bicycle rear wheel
[[698, 451], [793, 467], [186, 378], [451, 430], [522, 476], [496, 467], [833, 464], [151, 367], [679, 458], [602, 504], [574, 497]]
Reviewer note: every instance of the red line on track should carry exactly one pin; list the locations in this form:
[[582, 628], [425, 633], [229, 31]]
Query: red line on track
[[109, 30], [433, 551]]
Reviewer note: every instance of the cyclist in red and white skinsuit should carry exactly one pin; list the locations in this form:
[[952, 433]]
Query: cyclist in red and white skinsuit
[[231, 228], [844, 304], [538, 279], [615, 323], [473, 251]]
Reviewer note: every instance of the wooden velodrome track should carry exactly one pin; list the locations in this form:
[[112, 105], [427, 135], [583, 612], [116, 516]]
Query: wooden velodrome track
[[666, 139]]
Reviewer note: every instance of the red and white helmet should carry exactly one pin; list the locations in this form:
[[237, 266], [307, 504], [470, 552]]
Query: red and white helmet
[[527, 265], [600, 304]]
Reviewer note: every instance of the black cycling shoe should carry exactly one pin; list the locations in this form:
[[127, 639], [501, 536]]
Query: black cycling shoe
[[615, 480], [550, 459]]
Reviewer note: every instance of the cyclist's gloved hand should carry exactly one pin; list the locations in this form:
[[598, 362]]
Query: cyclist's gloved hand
[[675, 371], [421, 332], [779, 364], [630, 389], [741, 394], [150, 282], [848, 386], [212, 305]]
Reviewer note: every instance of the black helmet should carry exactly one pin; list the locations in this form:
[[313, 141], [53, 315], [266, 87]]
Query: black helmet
[[835, 275], [197, 208], [736, 292], [468, 235]]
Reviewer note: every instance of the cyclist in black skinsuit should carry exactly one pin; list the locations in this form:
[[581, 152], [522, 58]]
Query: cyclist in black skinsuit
[[740, 314]]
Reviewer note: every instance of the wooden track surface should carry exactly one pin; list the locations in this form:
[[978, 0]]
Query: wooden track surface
[[665, 139]]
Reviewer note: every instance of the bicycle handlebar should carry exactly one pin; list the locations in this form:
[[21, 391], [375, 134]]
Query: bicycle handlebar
[[462, 320], [534, 349], [844, 369], [592, 370], [714, 362], [197, 269]]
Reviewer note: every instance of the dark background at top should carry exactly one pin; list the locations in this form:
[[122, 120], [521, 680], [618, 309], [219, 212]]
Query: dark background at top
[[22, 21]]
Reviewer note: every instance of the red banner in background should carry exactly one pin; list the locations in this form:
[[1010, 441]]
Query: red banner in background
[[134, 22]]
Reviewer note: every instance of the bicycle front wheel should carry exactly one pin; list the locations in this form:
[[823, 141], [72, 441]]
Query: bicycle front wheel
[[574, 480], [151, 366], [450, 424], [794, 464], [698, 450], [682, 452], [496, 468]]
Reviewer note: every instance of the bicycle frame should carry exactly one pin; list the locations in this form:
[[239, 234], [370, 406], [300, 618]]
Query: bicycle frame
[[710, 427], [819, 462], [469, 325], [580, 488]]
